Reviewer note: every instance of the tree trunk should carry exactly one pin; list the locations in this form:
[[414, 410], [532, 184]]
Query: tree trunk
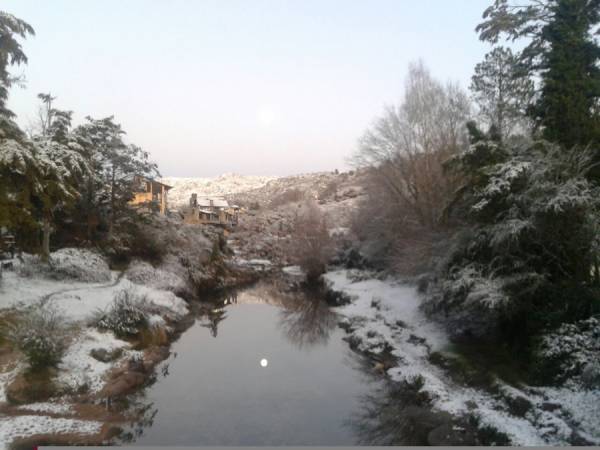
[[46, 230]]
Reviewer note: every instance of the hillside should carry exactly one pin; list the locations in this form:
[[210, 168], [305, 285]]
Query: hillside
[[226, 184]]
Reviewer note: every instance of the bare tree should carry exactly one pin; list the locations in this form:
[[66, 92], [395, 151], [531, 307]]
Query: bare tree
[[311, 246], [405, 151]]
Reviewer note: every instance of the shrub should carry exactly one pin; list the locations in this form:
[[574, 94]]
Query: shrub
[[127, 315], [311, 246], [288, 196], [41, 336], [68, 264]]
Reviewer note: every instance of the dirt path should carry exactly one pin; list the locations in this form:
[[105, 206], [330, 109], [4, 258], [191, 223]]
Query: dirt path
[[44, 299]]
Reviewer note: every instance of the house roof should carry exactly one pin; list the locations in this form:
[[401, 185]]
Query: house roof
[[216, 202], [155, 182]]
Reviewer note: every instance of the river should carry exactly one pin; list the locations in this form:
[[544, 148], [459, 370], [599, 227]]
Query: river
[[258, 367]]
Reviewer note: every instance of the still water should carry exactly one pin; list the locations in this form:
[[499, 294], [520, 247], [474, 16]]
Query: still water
[[259, 367]]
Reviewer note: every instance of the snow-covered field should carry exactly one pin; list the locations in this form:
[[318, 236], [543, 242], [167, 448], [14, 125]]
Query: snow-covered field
[[76, 301], [387, 312], [226, 184]]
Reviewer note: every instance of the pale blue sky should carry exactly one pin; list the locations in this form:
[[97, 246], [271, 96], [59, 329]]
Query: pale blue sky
[[252, 87]]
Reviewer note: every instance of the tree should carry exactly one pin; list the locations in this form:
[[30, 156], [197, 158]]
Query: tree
[[563, 52], [17, 160], [501, 91], [406, 147], [11, 53], [110, 187], [62, 166], [403, 153], [311, 246]]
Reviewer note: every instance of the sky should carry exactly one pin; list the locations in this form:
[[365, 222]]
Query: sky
[[250, 87]]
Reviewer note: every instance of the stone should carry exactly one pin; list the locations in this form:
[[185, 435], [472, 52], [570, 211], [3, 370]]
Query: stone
[[518, 406], [590, 376], [104, 355]]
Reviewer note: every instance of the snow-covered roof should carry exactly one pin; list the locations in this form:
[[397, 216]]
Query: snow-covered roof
[[216, 202]]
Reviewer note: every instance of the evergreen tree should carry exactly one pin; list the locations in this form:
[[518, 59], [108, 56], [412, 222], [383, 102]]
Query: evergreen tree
[[570, 76], [563, 53], [110, 187], [17, 160], [62, 166], [501, 91], [11, 53]]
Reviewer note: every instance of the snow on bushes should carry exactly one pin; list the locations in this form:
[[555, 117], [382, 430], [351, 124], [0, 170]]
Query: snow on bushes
[[40, 335], [143, 273], [127, 315], [573, 351], [68, 264]]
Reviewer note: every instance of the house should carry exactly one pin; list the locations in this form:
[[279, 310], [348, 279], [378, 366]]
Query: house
[[149, 192], [210, 211]]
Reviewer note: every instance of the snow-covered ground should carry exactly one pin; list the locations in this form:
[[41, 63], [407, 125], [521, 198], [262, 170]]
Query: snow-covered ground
[[30, 285], [226, 184], [388, 313]]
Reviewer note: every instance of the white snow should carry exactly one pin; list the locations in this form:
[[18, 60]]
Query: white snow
[[294, 271], [23, 426], [212, 187], [77, 300], [55, 408], [377, 307], [78, 368]]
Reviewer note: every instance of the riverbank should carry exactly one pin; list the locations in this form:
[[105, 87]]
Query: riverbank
[[78, 400], [384, 320]]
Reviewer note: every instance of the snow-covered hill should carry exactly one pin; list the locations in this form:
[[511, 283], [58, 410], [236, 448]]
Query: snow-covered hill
[[226, 184]]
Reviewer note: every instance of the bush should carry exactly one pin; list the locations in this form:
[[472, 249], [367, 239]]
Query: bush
[[571, 351], [127, 315], [41, 336], [311, 246], [289, 196], [68, 264]]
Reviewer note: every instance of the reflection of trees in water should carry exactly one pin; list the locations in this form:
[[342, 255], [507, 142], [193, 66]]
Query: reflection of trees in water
[[213, 318], [395, 413], [307, 321], [145, 414], [305, 318]]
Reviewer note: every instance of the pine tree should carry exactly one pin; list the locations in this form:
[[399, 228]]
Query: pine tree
[[570, 75], [110, 187], [563, 53], [501, 91], [18, 166]]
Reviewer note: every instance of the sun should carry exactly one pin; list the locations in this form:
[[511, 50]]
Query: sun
[[266, 116]]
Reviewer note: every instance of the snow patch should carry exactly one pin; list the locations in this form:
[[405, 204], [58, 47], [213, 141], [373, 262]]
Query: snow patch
[[78, 368], [23, 426]]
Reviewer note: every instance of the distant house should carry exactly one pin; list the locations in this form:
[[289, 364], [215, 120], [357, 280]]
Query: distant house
[[150, 192], [215, 211]]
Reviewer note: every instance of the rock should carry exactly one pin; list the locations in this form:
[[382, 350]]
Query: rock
[[518, 406], [413, 339], [590, 376], [550, 406], [104, 355], [449, 434]]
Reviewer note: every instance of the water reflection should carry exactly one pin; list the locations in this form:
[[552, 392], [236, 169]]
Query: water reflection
[[217, 393], [393, 413], [307, 323], [305, 319]]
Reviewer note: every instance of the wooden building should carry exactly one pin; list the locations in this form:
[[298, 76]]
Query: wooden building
[[148, 192], [216, 211]]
